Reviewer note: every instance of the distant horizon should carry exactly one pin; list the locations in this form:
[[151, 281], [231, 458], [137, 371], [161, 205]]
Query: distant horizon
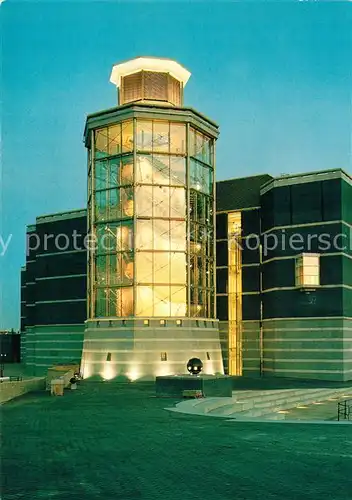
[[274, 76]]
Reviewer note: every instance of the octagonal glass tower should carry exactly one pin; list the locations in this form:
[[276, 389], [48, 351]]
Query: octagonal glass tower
[[151, 212]]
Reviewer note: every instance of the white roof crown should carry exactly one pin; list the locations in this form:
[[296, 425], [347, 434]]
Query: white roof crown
[[149, 64]]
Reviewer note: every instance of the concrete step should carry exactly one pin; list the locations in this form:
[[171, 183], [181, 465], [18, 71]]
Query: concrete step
[[267, 412], [282, 401], [288, 399], [277, 395], [265, 404]]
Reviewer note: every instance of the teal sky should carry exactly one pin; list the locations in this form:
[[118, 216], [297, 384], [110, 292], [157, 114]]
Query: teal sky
[[275, 76]]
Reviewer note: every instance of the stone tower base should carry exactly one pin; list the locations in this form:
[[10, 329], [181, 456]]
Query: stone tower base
[[142, 349]]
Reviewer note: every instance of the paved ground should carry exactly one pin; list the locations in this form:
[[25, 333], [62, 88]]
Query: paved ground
[[112, 442]]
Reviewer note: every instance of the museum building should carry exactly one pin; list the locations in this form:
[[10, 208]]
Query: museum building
[[165, 263]]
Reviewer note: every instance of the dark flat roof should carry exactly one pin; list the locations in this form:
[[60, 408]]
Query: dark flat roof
[[237, 194]]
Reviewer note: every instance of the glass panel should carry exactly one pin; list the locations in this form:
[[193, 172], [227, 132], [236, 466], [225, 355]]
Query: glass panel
[[307, 270], [114, 211], [144, 169], [311, 280], [211, 182], [100, 270], [161, 207], [311, 270], [206, 156], [310, 260], [144, 267], [161, 170], [127, 136], [100, 174], [113, 302], [177, 202], [89, 161], [115, 139], [161, 301], [195, 247], [161, 137], [178, 268], [145, 298], [161, 234], [161, 268], [127, 267], [100, 231], [144, 135], [177, 170], [89, 189], [126, 231], [127, 170], [194, 180], [204, 178], [201, 208], [100, 303], [101, 143], [192, 140], [207, 211], [199, 177], [178, 235], [177, 138], [109, 238], [202, 235], [113, 270], [199, 145], [113, 178], [210, 243], [127, 301], [127, 206], [178, 301], [144, 235], [210, 274], [100, 206], [144, 201]]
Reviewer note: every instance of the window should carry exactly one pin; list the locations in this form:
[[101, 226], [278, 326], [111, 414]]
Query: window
[[108, 356], [101, 143], [146, 322], [200, 146], [307, 270], [127, 136], [177, 138], [163, 356], [200, 177], [208, 356], [115, 139], [161, 136], [144, 135]]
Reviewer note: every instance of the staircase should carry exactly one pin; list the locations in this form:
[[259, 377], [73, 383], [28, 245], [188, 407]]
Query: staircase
[[264, 404]]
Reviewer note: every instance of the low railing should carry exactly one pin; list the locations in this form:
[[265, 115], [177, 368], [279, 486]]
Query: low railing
[[344, 410], [10, 379]]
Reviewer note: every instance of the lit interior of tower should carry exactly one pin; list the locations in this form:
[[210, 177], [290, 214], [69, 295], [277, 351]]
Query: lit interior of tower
[[151, 200]]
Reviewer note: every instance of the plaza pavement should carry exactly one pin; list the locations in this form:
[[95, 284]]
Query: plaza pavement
[[117, 442]]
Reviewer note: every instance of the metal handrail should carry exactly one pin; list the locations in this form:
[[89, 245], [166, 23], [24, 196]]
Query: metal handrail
[[344, 410]]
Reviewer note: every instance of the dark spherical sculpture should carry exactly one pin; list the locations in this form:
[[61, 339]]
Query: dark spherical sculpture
[[194, 366]]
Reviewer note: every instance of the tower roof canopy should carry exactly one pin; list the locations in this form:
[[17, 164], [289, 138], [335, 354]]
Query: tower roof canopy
[[149, 64]]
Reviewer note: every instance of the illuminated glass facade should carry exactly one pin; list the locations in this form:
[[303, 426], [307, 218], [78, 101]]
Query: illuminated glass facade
[[151, 214]]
